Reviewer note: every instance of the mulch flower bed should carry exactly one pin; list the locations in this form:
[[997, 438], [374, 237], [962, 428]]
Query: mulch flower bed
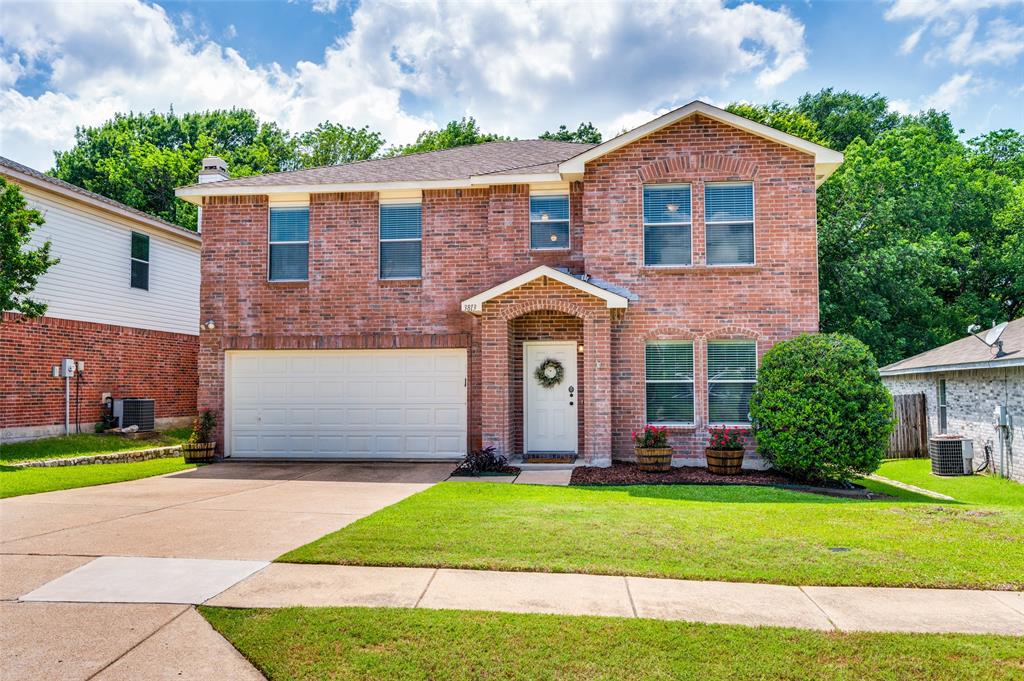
[[624, 473]]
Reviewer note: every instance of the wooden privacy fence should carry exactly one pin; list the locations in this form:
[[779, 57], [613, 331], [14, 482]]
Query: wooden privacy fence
[[910, 434]]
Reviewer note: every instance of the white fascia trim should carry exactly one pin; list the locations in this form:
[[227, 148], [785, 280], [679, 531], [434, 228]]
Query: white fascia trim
[[194, 238], [826, 160], [195, 193], [475, 304], [965, 366]]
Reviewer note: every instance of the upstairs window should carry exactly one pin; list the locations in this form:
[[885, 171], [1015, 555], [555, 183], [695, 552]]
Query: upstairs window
[[732, 372], [729, 223], [140, 261], [669, 369], [401, 241], [667, 224], [549, 222], [289, 244]]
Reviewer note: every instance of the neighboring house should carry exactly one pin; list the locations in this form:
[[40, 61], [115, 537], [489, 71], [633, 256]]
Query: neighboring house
[[400, 308], [124, 299], [964, 383]]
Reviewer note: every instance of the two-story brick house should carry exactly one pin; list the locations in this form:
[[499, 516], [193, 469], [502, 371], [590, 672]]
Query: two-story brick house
[[536, 296]]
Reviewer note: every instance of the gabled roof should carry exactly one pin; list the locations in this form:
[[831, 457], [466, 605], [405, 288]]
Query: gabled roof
[[24, 175], [491, 163], [475, 305], [967, 353], [825, 160]]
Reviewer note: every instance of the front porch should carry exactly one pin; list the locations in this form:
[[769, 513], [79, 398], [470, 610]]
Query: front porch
[[547, 319]]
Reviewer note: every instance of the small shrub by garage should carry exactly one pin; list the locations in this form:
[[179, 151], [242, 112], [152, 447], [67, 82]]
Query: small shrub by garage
[[819, 409]]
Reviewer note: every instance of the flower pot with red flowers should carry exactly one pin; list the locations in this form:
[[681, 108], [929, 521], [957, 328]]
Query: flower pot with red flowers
[[201, 447], [724, 452], [652, 451]]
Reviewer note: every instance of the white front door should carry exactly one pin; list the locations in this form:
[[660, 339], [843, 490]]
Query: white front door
[[549, 412]]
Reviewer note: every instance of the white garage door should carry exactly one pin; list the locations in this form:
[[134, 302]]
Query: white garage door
[[355, 404]]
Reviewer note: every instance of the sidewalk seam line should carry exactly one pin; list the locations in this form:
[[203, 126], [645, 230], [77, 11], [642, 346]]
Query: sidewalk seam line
[[629, 593], [818, 606], [1005, 605], [424, 593], [151, 635]]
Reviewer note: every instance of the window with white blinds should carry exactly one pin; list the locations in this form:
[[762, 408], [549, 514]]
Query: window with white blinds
[[289, 244], [729, 223], [667, 224], [732, 372], [401, 241], [549, 222], [669, 377]]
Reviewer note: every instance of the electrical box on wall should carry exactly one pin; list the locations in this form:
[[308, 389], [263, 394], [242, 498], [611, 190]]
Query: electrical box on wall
[[67, 368], [1001, 415]]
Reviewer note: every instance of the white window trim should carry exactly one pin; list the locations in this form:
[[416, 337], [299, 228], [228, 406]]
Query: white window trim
[[149, 241], [942, 405], [753, 222], [645, 224], [567, 221], [707, 369], [398, 202], [281, 243], [692, 382]]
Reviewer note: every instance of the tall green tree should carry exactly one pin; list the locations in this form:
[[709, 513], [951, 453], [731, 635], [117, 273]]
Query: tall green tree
[[333, 143], [138, 159], [20, 265], [780, 116], [842, 117], [586, 133], [456, 134]]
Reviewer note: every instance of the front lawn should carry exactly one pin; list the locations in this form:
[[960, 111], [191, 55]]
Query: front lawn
[[17, 481], [84, 444], [733, 533], [365, 643]]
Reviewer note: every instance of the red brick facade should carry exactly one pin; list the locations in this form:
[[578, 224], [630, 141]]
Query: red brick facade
[[123, 361], [474, 239]]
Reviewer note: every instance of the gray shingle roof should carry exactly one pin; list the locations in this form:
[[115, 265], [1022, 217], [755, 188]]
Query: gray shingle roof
[[532, 156], [68, 188], [969, 350]]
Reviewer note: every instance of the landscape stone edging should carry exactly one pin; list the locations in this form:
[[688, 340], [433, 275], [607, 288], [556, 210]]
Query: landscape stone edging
[[110, 457]]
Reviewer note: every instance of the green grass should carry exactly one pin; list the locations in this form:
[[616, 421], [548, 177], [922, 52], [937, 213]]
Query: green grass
[[84, 444], [732, 533], [986, 490], [364, 643], [18, 481]]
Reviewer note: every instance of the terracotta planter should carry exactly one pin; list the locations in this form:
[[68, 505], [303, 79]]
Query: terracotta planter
[[199, 452], [724, 461], [654, 459]]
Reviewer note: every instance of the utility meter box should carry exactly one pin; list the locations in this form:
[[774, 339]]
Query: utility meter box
[[1001, 415], [67, 368]]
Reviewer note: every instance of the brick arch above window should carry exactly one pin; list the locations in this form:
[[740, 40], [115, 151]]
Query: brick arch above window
[[671, 333], [731, 332], [691, 165]]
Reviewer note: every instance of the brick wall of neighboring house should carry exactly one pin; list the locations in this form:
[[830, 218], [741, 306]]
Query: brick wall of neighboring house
[[123, 361], [474, 239], [971, 398]]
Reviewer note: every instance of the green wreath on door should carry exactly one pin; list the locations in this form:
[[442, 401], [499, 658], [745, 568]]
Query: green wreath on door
[[550, 373]]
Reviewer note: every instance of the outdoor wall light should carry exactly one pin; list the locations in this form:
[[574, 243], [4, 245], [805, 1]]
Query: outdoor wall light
[[579, 348], [209, 325]]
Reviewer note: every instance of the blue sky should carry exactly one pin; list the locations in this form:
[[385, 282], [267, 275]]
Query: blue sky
[[518, 67]]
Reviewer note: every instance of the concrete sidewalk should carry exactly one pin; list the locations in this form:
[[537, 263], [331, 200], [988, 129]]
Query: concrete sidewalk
[[811, 607]]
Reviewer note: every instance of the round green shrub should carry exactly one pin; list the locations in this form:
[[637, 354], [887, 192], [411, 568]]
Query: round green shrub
[[819, 409]]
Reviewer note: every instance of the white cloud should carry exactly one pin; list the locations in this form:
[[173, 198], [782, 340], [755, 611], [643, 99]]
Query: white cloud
[[953, 26], [952, 94], [230, 32], [325, 6], [519, 68]]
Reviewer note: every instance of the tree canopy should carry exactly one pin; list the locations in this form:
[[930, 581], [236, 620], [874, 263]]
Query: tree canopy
[[586, 133], [456, 134], [20, 265], [332, 143]]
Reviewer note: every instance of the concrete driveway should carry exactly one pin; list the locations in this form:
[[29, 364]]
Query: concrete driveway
[[223, 512]]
